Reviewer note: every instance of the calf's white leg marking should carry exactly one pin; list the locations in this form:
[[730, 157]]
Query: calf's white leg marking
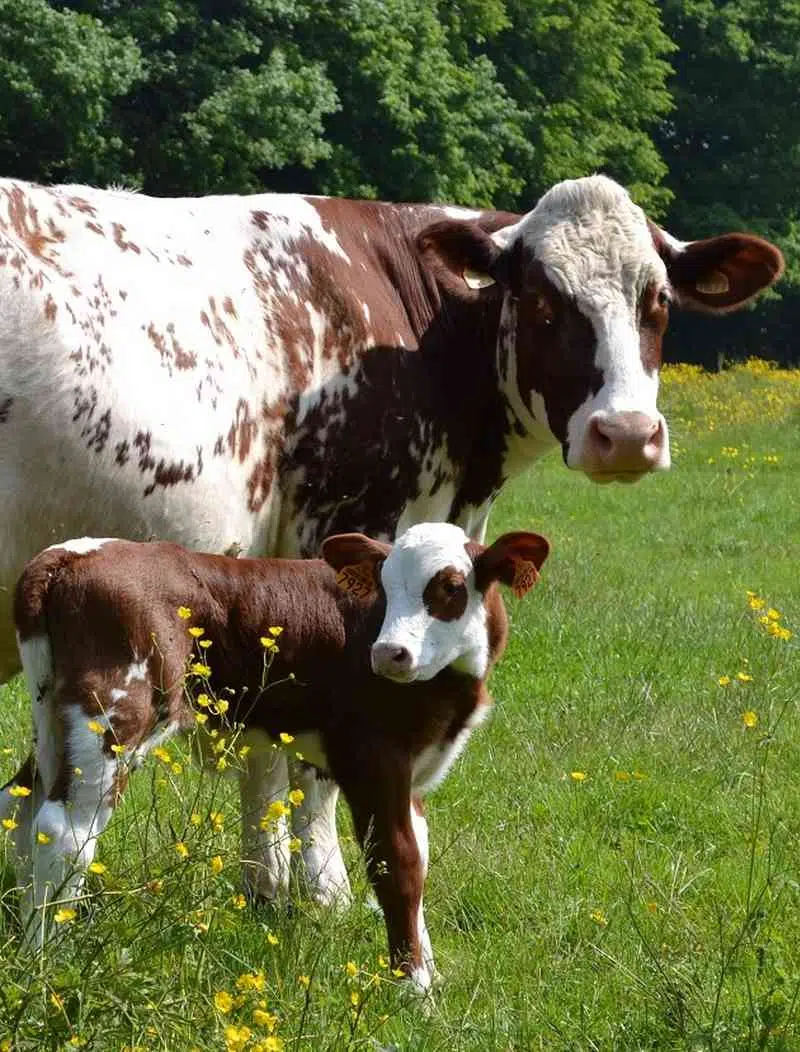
[[423, 976], [265, 852], [314, 823], [71, 826]]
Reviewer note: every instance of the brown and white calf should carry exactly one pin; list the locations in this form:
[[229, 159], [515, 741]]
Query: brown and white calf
[[411, 630]]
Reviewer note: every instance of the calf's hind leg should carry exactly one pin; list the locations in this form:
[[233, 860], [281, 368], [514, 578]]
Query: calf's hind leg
[[19, 799], [90, 775]]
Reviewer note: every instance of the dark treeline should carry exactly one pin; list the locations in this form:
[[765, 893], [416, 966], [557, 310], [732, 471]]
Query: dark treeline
[[692, 104]]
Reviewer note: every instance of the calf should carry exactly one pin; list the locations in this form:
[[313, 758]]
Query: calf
[[380, 676]]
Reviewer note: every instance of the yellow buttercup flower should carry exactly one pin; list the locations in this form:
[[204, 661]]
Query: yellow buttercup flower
[[9, 824], [181, 849], [223, 1002], [184, 613], [750, 718], [216, 865], [65, 915], [578, 776], [95, 727], [724, 681], [98, 868], [285, 738], [19, 790], [296, 797], [196, 631]]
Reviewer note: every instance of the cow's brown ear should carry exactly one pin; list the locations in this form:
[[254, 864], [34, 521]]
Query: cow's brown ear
[[718, 274], [462, 255], [514, 559], [357, 560]]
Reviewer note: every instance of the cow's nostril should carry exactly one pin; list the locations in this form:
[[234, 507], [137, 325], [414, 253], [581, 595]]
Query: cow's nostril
[[400, 656], [600, 437], [389, 659]]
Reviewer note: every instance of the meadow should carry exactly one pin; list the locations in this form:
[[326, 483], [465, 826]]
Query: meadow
[[615, 861]]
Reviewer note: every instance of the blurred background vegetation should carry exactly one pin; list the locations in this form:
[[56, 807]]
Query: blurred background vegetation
[[692, 104]]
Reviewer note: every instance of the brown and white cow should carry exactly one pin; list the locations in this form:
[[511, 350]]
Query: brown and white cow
[[265, 371], [411, 631]]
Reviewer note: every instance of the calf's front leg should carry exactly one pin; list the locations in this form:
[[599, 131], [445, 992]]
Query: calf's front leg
[[393, 834]]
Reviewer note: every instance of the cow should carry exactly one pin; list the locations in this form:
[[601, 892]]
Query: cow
[[259, 372], [380, 677]]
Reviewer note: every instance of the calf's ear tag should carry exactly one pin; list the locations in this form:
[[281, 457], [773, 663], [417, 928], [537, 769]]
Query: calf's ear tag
[[357, 579], [474, 279], [714, 284], [525, 577]]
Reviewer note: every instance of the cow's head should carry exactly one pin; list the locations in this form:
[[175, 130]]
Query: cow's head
[[435, 581], [588, 283]]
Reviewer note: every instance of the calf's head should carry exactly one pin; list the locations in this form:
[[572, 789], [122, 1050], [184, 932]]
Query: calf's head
[[435, 582], [587, 284]]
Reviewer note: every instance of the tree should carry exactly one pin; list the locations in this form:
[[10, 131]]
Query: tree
[[419, 118], [225, 94], [590, 77], [60, 74], [732, 146]]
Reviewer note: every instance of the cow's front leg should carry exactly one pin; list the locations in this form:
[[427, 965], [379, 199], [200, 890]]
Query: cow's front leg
[[393, 835], [314, 824]]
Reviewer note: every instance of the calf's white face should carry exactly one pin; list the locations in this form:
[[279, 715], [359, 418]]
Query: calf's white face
[[435, 581]]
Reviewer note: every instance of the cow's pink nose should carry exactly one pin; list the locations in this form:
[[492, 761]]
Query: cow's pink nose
[[391, 660], [624, 443]]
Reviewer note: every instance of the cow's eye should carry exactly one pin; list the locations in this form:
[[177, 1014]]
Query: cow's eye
[[664, 299]]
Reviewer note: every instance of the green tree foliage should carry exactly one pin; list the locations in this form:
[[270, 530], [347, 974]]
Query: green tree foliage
[[732, 147], [732, 143], [61, 73], [225, 93], [590, 77], [420, 119]]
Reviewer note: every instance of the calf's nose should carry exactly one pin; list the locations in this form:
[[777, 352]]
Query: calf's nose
[[391, 660]]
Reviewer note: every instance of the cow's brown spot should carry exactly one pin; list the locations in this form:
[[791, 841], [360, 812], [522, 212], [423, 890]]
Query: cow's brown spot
[[185, 261], [120, 241], [445, 595], [80, 204], [242, 431], [5, 408], [50, 308], [95, 227]]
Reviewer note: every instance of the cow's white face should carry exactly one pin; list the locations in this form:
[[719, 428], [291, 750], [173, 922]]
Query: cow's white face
[[435, 581], [591, 256], [587, 283]]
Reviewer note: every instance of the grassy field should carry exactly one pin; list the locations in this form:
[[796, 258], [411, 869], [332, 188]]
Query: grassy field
[[616, 858]]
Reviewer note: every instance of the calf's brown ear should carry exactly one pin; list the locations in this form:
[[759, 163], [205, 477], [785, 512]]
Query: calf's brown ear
[[357, 560], [514, 559]]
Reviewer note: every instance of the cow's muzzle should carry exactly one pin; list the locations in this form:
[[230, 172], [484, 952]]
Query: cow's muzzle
[[392, 662], [623, 446]]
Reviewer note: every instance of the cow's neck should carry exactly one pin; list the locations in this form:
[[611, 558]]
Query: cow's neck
[[491, 436]]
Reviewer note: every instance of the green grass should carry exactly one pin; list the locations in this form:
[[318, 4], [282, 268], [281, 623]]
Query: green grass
[[654, 904]]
